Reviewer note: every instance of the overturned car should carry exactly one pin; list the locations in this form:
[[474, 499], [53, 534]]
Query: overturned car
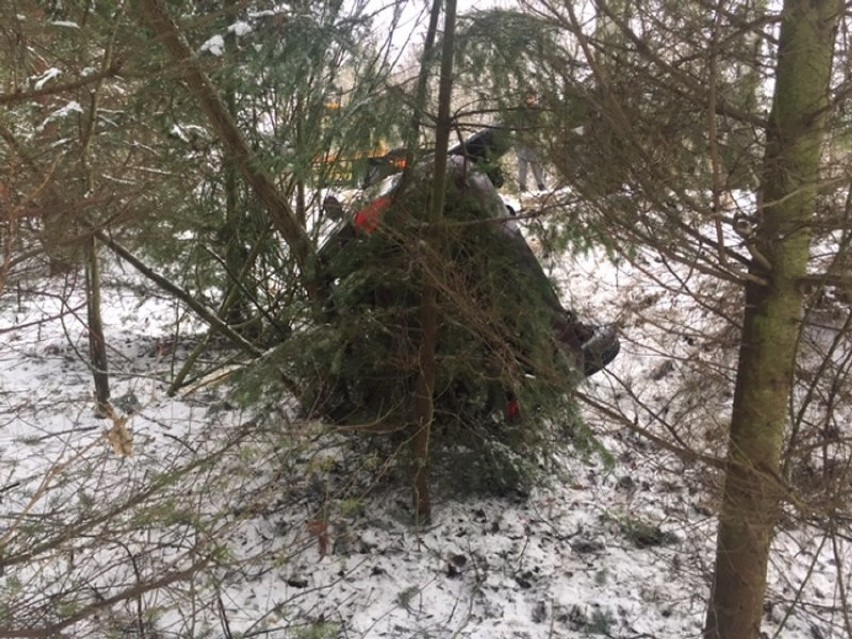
[[508, 352]]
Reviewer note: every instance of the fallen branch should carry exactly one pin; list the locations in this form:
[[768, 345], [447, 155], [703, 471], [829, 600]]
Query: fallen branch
[[202, 311]]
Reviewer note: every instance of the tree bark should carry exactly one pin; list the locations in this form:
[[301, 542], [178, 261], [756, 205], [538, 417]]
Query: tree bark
[[97, 341], [772, 318], [424, 396]]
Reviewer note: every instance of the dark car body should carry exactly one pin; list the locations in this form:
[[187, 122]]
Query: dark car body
[[471, 174]]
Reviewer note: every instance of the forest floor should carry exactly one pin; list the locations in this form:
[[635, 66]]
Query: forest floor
[[300, 539]]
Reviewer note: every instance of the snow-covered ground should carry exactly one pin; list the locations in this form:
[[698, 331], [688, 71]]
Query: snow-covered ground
[[187, 516]]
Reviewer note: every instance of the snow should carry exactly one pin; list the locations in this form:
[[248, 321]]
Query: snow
[[304, 537], [240, 28], [187, 132], [65, 24], [40, 80], [215, 45], [64, 111]]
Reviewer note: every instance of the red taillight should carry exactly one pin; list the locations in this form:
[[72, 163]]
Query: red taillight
[[513, 410], [368, 219]]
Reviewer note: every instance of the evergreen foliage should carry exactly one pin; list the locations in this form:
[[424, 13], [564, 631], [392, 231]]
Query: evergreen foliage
[[610, 129], [496, 345], [303, 85]]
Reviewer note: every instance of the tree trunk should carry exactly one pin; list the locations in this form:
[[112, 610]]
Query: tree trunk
[[97, 342], [772, 318], [236, 308], [424, 398]]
